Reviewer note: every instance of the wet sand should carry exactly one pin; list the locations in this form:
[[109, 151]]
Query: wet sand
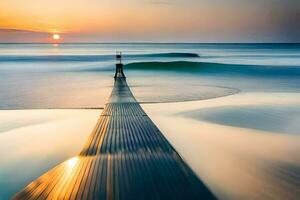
[[235, 162]]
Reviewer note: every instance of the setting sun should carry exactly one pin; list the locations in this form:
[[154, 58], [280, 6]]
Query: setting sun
[[56, 36]]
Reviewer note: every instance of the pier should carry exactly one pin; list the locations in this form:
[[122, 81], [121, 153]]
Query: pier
[[125, 157]]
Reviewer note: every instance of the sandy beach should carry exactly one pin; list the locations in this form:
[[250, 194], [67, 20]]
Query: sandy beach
[[234, 162], [34, 141]]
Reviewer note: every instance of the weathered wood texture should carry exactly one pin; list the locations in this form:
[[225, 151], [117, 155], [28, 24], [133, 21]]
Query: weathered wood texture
[[126, 157]]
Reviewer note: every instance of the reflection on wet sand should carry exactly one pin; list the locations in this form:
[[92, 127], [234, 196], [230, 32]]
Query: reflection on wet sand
[[236, 163]]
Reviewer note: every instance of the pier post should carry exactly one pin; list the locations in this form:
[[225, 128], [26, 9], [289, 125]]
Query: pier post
[[119, 66]]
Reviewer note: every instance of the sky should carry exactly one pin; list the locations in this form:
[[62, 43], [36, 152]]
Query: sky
[[150, 20]]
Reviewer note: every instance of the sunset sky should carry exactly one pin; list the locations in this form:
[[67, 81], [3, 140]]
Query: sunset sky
[[150, 20]]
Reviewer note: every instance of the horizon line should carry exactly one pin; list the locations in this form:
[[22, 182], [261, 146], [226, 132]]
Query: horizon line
[[150, 43]]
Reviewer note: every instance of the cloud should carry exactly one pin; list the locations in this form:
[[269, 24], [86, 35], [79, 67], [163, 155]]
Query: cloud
[[18, 35], [8, 30]]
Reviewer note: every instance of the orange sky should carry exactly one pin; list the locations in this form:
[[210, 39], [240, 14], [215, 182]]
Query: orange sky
[[148, 20]]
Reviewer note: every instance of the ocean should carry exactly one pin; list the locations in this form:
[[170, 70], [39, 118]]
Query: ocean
[[79, 75], [232, 111]]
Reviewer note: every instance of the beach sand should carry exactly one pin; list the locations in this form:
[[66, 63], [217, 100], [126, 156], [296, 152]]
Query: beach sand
[[34, 141], [234, 162]]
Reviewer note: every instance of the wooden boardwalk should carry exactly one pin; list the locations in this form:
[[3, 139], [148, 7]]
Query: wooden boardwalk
[[126, 157]]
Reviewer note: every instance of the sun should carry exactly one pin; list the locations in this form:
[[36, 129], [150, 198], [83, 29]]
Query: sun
[[56, 36]]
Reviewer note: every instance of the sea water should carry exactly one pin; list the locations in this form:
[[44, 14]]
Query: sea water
[[80, 75]]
